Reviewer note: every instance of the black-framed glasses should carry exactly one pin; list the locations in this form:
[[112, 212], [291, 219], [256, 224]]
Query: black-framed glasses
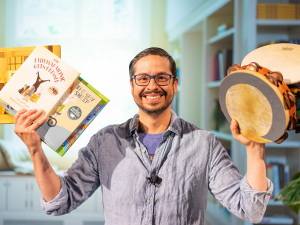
[[160, 79]]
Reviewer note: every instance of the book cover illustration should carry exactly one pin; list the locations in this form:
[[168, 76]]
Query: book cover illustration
[[39, 83], [10, 61], [80, 129], [71, 116]]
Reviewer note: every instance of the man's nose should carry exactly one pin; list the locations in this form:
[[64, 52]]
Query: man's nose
[[152, 85]]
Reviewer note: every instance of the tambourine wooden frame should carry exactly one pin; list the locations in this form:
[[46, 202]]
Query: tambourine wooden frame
[[271, 92]]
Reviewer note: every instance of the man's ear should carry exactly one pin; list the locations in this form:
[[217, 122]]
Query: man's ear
[[131, 85], [175, 85]]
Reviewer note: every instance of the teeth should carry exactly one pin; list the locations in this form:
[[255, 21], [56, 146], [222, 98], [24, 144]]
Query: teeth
[[153, 97]]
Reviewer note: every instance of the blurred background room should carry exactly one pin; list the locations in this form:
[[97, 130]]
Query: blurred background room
[[100, 37]]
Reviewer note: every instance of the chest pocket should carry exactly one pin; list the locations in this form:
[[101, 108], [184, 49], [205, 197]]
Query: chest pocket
[[182, 183]]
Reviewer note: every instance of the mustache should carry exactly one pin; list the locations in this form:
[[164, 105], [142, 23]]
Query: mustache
[[162, 92]]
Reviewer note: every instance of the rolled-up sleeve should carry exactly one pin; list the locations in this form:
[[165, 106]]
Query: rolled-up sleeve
[[232, 189], [78, 183]]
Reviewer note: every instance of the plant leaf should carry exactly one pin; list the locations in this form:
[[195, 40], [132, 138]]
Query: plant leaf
[[296, 176], [290, 195]]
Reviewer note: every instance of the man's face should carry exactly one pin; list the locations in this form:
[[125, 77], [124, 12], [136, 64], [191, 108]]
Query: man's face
[[153, 99]]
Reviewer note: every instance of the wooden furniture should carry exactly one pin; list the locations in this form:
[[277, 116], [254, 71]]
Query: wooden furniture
[[193, 40], [10, 61]]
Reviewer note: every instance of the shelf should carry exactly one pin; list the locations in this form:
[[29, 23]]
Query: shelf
[[224, 136], [278, 22], [223, 217], [285, 144], [223, 37], [214, 84], [272, 202]]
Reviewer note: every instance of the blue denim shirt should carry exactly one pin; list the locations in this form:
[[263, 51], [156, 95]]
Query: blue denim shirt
[[189, 162]]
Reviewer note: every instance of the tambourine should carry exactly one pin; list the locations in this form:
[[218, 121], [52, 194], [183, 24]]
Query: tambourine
[[257, 96]]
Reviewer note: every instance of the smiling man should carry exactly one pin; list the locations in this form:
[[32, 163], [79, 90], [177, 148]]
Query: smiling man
[[155, 168]]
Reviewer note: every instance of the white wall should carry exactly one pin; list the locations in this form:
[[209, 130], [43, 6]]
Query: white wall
[[177, 10]]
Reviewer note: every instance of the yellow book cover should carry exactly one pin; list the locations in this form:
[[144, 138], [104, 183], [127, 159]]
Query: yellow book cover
[[297, 11], [261, 11], [286, 11]]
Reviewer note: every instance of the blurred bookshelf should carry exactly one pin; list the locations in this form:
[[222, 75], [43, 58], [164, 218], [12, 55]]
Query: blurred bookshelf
[[202, 43]]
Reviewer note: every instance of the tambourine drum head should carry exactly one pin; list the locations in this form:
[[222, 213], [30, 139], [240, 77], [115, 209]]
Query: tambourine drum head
[[255, 120], [278, 57], [248, 97]]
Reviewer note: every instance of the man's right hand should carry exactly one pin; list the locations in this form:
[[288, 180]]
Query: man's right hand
[[47, 179], [25, 128]]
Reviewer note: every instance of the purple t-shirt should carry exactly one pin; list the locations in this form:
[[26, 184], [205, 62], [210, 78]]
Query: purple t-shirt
[[150, 141]]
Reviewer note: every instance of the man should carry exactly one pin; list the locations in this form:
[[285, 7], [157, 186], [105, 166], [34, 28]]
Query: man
[[172, 189]]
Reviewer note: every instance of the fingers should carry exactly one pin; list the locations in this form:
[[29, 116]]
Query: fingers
[[26, 118], [38, 123], [32, 117], [24, 115], [18, 114], [234, 129]]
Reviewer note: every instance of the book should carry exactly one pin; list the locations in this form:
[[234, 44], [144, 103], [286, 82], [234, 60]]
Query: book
[[10, 61], [278, 11], [39, 83], [71, 116], [286, 174], [214, 68], [220, 64], [217, 63], [276, 182], [280, 174], [228, 62], [269, 172], [44, 81]]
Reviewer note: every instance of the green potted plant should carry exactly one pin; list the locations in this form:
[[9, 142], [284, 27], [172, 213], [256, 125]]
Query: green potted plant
[[290, 194]]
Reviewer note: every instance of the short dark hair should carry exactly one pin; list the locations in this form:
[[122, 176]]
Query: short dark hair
[[152, 51]]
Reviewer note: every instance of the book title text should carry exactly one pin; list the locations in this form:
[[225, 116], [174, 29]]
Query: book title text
[[51, 67], [83, 95]]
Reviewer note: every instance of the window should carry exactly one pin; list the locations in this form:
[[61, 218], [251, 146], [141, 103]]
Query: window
[[97, 37]]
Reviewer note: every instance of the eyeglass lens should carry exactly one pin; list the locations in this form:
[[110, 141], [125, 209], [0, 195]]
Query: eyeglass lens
[[160, 79]]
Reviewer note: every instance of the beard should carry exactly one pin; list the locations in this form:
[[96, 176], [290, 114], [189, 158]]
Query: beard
[[157, 111]]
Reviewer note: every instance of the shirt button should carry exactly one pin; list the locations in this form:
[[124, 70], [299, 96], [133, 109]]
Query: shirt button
[[143, 150], [148, 201]]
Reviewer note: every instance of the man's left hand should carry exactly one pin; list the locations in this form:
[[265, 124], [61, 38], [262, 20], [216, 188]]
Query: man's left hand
[[256, 167], [239, 137]]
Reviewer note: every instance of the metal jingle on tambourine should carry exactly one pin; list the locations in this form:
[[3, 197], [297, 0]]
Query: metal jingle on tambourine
[[252, 68], [282, 138], [256, 64], [287, 101], [233, 68], [277, 75], [292, 98], [292, 123], [272, 79]]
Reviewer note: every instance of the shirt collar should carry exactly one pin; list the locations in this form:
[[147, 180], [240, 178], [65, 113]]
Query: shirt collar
[[175, 125]]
